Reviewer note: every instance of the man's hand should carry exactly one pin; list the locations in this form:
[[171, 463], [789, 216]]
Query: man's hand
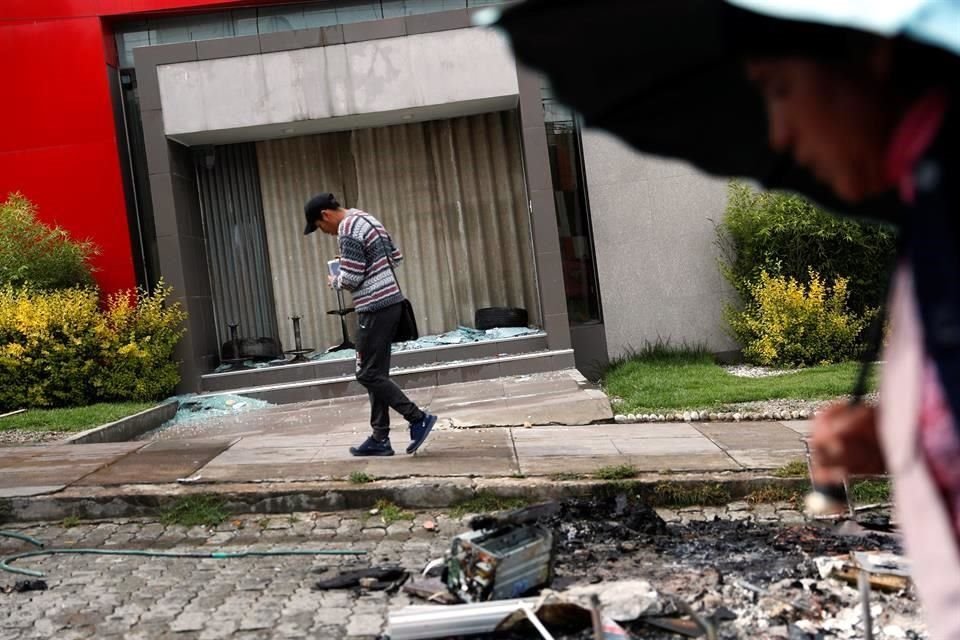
[[845, 442], [331, 281]]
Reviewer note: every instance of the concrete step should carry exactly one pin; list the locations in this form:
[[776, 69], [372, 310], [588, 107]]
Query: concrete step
[[313, 371], [415, 377]]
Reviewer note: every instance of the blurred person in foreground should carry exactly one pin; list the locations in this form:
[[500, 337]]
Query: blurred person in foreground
[[863, 113], [866, 114]]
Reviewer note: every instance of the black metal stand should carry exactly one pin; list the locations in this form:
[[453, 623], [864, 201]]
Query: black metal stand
[[343, 313], [299, 354], [236, 360]]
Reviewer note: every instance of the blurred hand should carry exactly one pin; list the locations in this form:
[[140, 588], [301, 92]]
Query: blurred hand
[[845, 442], [331, 280]]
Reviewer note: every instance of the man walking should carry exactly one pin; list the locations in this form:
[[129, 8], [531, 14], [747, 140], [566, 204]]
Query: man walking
[[367, 255]]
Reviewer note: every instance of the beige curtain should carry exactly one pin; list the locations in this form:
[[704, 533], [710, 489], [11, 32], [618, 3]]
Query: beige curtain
[[452, 194]]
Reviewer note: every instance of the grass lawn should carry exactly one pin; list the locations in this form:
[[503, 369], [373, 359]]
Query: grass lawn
[[681, 381], [72, 419]]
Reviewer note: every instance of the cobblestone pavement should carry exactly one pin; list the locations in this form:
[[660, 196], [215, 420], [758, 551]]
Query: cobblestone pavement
[[133, 597]]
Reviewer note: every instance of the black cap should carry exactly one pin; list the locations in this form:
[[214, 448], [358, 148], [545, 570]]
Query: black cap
[[315, 207]]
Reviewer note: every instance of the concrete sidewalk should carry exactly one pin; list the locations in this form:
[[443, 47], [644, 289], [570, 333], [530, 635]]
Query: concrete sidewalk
[[565, 433], [560, 397], [505, 452]]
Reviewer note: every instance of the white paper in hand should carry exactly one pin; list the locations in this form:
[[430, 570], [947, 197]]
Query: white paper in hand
[[333, 267]]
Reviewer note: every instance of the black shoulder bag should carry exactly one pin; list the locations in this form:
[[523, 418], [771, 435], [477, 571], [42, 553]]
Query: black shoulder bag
[[407, 325]]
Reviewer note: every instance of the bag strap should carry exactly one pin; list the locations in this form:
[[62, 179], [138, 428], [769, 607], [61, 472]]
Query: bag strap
[[386, 248]]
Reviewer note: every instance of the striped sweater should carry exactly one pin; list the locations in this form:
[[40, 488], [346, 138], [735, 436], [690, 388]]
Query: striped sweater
[[364, 268]]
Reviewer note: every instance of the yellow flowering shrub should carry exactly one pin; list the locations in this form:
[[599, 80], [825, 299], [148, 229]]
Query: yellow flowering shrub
[[49, 344], [788, 323], [142, 333], [785, 234], [61, 348]]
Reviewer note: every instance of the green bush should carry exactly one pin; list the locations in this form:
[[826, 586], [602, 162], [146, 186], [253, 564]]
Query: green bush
[[142, 332], [59, 348], [49, 346], [34, 254], [785, 235], [788, 323]]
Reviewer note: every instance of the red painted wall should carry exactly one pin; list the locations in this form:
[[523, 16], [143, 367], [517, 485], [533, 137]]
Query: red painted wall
[[47, 9], [58, 144], [57, 135]]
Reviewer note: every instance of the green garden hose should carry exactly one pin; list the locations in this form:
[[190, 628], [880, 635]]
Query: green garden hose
[[23, 537], [5, 563]]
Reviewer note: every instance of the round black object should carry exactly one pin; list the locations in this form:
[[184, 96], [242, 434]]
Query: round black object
[[252, 349], [262, 349], [493, 317]]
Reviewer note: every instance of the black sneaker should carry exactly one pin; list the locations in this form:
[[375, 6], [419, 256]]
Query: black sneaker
[[372, 447], [419, 431]]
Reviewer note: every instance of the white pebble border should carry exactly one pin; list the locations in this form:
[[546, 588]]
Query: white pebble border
[[705, 416], [746, 371]]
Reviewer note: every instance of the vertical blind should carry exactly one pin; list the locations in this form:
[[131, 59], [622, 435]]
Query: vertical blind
[[236, 242]]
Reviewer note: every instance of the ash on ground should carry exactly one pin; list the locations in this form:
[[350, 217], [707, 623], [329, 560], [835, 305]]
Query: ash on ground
[[764, 573]]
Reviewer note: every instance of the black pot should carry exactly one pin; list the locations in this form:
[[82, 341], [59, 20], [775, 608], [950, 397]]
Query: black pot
[[493, 317], [252, 349]]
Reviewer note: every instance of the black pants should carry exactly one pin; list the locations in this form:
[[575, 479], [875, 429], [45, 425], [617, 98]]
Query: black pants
[[373, 370]]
